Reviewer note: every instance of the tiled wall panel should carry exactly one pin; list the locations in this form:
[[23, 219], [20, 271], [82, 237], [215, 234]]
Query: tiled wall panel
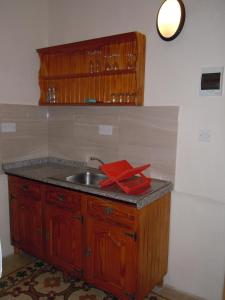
[[31, 137], [140, 135]]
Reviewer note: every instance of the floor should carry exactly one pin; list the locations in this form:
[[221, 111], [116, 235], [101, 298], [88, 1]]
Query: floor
[[14, 262]]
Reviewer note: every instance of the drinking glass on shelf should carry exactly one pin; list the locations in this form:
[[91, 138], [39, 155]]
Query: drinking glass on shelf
[[121, 97], [97, 61], [131, 61], [115, 65], [133, 97], [107, 66], [128, 97], [113, 97], [91, 66]]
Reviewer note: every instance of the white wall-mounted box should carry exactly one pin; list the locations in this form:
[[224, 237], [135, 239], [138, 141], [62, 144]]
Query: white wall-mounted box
[[211, 83]]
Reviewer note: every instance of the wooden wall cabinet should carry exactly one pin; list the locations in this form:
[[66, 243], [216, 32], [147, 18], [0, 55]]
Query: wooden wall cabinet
[[112, 245], [101, 71]]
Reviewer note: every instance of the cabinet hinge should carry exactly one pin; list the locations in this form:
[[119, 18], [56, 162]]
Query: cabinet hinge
[[130, 296], [79, 218], [88, 252], [11, 197], [46, 236], [132, 234]]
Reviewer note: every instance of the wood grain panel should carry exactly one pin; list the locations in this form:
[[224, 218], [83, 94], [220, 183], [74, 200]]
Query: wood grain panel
[[153, 245], [98, 68]]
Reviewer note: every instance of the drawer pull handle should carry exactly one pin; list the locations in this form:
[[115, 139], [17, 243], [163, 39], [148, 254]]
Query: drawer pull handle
[[61, 198], [79, 218], [132, 235], [108, 211]]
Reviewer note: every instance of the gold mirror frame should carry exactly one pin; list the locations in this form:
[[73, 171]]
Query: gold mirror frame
[[169, 14]]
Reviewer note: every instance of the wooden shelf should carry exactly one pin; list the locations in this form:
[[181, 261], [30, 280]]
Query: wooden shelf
[[91, 104], [94, 74], [71, 73]]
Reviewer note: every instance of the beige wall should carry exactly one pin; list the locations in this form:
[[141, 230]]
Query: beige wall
[[140, 135], [23, 28], [29, 141], [172, 73], [197, 248], [197, 243], [31, 137]]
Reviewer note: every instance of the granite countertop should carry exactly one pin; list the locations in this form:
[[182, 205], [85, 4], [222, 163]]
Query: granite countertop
[[44, 169]]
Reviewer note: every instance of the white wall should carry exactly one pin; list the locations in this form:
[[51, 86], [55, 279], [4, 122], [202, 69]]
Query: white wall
[[4, 216], [23, 28], [197, 251]]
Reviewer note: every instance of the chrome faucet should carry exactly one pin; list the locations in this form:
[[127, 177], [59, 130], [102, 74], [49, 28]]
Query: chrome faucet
[[96, 158]]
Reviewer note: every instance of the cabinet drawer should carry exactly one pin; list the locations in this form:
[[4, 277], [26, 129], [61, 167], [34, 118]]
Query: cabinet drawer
[[22, 187], [111, 211], [63, 198]]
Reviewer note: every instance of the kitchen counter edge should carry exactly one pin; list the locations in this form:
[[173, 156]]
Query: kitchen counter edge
[[28, 169]]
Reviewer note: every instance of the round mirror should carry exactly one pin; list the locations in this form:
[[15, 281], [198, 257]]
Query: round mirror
[[170, 19]]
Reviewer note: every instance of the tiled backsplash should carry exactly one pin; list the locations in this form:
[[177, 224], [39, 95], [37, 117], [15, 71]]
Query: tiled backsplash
[[31, 137], [140, 135]]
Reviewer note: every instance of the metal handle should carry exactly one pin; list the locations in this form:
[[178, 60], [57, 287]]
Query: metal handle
[[79, 218], [108, 210], [61, 197], [24, 188], [132, 235]]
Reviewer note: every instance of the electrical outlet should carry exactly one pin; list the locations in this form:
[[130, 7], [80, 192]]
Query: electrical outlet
[[105, 129], [8, 127]]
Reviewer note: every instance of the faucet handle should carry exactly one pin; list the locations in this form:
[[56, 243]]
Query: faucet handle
[[97, 159]]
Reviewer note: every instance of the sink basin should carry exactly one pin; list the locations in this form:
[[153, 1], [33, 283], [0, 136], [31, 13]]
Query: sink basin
[[86, 178]]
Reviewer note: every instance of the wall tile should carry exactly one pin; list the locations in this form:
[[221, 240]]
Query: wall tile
[[31, 137], [140, 135]]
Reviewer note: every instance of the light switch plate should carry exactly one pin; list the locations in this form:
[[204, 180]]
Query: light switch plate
[[204, 135], [105, 129]]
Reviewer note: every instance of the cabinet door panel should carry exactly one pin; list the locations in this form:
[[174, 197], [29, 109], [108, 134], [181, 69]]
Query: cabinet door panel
[[26, 226], [64, 238], [112, 261]]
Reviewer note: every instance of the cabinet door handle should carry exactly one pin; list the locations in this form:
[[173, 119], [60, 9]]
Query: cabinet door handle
[[79, 218], [24, 188], [108, 210], [61, 198], [132, 235]]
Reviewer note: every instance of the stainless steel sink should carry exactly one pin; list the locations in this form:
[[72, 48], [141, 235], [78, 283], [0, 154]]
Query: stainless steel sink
[[87, 177]]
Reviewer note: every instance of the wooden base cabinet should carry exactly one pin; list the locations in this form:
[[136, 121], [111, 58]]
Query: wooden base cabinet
[[64, 230], [26, 215], [127, 248], [112, 245], [111, 258]]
